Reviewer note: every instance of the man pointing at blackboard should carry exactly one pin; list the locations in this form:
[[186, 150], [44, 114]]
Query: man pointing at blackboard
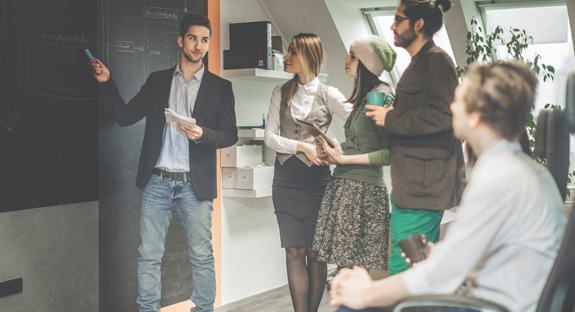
[[178, 163]]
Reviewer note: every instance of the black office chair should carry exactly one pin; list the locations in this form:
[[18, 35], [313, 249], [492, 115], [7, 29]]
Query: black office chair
[[552, 144], [559, 292]]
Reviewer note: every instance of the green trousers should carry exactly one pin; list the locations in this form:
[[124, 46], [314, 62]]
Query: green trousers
[[406, 222]]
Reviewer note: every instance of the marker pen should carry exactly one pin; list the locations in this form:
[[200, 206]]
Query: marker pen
[[89, 54]]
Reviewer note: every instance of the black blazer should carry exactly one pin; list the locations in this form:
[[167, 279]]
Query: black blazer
[[425, 156], [213, 111]]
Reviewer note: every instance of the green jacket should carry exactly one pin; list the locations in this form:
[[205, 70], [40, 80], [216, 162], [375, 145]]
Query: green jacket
[[362, 136]]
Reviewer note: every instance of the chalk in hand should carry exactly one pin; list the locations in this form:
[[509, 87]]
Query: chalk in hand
[[88, 54]]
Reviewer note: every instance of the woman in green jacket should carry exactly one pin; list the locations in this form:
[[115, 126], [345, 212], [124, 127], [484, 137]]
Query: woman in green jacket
[[353, 223]]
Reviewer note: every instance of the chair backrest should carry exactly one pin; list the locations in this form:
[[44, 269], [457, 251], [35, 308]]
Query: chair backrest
[[559, 292], [552, 144]]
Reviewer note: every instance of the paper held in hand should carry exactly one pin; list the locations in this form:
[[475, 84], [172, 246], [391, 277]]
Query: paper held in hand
[[172, 116]]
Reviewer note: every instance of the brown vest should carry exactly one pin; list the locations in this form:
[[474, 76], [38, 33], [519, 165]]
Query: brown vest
[[291, 129]]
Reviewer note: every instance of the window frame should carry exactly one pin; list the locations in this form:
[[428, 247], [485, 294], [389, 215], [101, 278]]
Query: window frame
[[483, 6], [369, 13], [508, 4]]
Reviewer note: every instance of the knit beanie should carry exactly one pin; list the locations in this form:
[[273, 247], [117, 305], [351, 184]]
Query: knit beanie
[[375, 53]]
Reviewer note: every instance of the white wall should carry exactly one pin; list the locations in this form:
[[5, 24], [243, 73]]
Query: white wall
[[252, 260], [349, 19]]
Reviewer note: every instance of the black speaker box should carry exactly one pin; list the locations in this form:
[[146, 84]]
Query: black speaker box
[[238, 59], [250, 46]]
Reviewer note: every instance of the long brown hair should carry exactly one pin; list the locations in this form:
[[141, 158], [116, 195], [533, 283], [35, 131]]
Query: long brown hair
[[364, 82], [309, 50]]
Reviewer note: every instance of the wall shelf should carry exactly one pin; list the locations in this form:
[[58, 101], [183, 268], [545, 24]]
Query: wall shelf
[[259, 193], [251, 133], [260, 74]]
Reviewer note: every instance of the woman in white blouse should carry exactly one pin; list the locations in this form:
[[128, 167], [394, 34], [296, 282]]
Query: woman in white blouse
[[300, 177]]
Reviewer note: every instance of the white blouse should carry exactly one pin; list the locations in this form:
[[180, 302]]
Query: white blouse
[[300, 108]]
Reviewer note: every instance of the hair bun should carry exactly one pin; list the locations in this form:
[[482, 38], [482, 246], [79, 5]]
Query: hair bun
[[445, 4]]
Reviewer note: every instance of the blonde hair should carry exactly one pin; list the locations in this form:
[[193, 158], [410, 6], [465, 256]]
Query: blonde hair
[[309, 50]]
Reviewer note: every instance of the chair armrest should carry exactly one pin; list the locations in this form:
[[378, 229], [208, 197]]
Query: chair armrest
[[448, 302]]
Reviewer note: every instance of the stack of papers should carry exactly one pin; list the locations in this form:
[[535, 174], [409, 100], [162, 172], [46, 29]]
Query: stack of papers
[[172, 116]]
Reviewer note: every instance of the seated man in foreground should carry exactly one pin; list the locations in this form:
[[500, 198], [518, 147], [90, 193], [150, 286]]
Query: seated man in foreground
[[511, 218]]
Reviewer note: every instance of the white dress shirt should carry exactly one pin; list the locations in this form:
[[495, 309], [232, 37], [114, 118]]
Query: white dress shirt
[[300, 108], [175, 153], [509, 228]]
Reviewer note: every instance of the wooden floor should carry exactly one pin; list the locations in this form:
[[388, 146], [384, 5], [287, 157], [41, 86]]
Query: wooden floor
[[280, 302]]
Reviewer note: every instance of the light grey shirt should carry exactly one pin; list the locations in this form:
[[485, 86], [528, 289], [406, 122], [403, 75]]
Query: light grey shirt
[[506, 236], [175, 154]]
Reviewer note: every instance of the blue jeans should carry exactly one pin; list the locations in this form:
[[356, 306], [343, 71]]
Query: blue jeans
[[160, 200]]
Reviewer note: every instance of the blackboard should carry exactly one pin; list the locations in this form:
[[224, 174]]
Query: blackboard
[[58, 146], [140, 37], [48, 107]]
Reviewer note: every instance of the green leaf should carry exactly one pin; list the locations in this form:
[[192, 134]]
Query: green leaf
[[547, 106], [551, 68]]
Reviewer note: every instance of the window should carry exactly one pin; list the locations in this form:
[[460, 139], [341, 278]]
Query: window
[[548, 24], [380, 20]]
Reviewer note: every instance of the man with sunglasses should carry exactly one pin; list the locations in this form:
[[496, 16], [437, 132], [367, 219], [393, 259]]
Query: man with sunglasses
[[425, 156]]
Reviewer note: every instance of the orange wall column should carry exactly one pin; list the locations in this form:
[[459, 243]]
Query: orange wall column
[[214, 67]]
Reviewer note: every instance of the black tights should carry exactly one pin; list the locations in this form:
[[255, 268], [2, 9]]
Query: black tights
[[306, 281]]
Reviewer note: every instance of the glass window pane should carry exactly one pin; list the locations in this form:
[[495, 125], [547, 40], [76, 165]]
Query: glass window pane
[[536, 21], [549, 27], [557, 52]]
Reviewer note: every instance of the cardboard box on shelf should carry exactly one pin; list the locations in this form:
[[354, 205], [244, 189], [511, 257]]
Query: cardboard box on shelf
[[229, 178], [241, 155], [255, 177]]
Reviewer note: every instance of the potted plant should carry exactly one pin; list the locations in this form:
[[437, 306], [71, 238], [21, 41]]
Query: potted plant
[[482, 46]]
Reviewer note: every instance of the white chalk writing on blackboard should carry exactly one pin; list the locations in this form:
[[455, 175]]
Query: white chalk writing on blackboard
[[161, 13], [64, 40], [125, 46]]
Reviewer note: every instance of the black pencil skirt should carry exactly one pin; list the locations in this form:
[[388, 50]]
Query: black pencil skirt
[[297, 193]]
